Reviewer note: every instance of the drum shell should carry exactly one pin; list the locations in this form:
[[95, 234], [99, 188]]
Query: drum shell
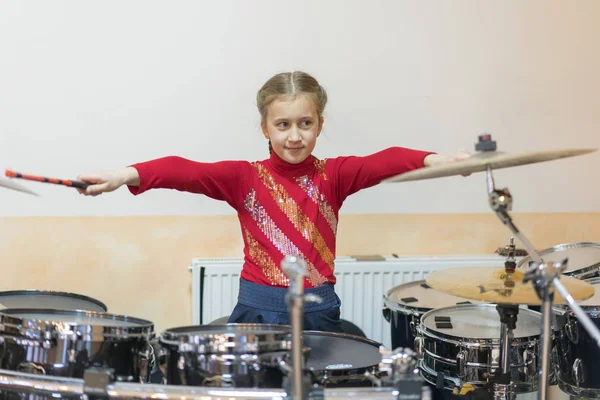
[[66, 349], [232, 355], [576, 354], [470, 360]]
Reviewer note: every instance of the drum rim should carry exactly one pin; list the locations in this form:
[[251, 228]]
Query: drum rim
[[55, 293], [32, 327], [176, 332], [437, 335], [561, 247]]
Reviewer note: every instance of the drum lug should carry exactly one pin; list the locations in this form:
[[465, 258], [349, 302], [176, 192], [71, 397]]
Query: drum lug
[[419, 345], [387, 313], [530, 361], [181, 370], [572, 329], [31, 368], [461, 364], [414, 323], [578, 372]]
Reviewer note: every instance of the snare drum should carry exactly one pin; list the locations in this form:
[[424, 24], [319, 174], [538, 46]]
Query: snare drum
[[46, 299], [65, 343], [341, 360], [232, 355], [576, 354], [461, 344], [584, 258], [405, 304]]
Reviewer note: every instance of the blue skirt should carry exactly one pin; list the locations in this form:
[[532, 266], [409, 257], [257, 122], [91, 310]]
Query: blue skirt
[[259, 304]]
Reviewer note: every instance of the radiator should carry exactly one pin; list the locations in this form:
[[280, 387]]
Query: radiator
[[361, 285]]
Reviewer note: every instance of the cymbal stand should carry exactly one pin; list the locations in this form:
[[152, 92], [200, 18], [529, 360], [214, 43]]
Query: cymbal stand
[[545, 278], [295, 268]]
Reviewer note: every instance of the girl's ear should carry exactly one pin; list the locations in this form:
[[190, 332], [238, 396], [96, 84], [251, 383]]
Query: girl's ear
[[263, 127], [321, 121]]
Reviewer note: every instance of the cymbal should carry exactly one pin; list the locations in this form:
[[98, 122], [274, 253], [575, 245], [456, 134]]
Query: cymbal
[[494, 285], [480, 161], [7, 183]]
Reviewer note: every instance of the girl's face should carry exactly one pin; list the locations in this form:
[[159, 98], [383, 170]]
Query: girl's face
[[293, 127]]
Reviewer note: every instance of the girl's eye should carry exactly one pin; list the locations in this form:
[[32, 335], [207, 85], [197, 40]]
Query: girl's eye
[[282, 125], [306, 123]]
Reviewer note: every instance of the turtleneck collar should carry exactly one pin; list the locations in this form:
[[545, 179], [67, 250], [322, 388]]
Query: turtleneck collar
[[291, 170]]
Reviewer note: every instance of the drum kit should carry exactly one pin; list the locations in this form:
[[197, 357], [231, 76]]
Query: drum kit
[[469, 332]]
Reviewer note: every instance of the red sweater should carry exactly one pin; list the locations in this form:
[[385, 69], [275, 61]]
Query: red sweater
[[283, 208]]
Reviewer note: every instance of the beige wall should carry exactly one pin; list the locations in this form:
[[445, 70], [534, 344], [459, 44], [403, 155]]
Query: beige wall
[[138, 265]]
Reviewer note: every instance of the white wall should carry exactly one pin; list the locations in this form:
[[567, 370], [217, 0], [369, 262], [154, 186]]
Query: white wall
[[87, 85]]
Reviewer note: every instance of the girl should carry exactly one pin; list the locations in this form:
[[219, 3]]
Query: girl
[[286, 204]]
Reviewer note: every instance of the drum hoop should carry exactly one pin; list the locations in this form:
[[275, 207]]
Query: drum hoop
[[38, 329], [562, 247], [227, 330], [54, 293], [590, 393], [426, 331]]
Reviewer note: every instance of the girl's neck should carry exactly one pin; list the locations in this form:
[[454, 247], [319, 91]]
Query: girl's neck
[[292, 170]]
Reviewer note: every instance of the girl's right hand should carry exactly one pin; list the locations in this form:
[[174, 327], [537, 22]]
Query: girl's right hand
[[108, 181]]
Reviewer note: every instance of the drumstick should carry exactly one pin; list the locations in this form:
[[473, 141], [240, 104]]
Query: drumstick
[[64, 182]]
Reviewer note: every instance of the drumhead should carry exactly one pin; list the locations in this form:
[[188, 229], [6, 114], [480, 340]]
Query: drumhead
[[338, 351], [479, 321], [418, 297], [31, 316], [582, 256], [44, 299]]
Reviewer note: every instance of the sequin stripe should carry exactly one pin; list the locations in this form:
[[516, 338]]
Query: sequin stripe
[[320, 166], [295, 214], [278, 238], [324, 208], [266, 264]]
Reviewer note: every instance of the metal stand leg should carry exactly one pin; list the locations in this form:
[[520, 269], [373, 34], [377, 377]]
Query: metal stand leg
[[296, 270], [544, 352], [508, 319]]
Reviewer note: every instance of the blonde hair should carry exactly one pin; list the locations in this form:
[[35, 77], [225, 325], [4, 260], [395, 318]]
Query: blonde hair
[[290, 85]]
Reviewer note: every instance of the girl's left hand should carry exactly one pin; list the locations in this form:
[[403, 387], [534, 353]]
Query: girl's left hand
[[439, 159]]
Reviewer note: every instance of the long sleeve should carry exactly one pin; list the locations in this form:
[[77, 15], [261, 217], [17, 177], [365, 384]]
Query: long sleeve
[[224, 180], [356, 173]]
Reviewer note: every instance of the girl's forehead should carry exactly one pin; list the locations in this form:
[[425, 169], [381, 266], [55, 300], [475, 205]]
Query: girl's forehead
[[297, 107]]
